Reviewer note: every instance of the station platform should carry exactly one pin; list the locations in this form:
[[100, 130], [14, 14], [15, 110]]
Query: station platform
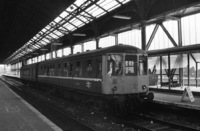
[[174, 96], [17, 115]]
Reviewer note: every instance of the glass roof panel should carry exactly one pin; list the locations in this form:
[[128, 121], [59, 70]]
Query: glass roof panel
[[79, 2], [124, 1], [98, 12], [57, 19], [53, 36], [62, 22], [71, 9], [43, 43], [94, 10], [69, 26], [44, 30], [36, 46], [48, 27], [58, 33], [46, 40], [63, 30], [76, 22], [63, 14], [84, 17], [109, 4]]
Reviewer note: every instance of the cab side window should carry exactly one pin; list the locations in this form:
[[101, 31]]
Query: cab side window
[[131, 65]]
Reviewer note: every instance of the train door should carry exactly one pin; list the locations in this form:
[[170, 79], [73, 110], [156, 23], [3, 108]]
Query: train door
[[113, 73], [99, 68], [131, 73], [143, 78]]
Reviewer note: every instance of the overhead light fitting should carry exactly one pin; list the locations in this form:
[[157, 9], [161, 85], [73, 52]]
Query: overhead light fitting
[[35, 53], [56, 43], [78, 34], [43, 49], [122, 17]]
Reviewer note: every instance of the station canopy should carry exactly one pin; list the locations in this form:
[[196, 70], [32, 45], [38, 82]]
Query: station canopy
[[81, 13], [78, 14]]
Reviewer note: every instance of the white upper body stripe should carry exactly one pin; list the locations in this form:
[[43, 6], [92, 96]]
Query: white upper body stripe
[[74, 78]]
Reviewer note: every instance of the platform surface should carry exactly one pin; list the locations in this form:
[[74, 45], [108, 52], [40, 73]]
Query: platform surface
[[176, 99], [17, 115]]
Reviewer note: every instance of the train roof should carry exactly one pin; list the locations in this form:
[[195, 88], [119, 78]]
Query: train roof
[[121, 49], [98, 52], [102, 51]]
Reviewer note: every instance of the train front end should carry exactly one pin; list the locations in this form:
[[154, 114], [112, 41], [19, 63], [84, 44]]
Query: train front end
[[126, 75]]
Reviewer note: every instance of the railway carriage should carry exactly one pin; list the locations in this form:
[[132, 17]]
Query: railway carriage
[[118, 72], [29, 72]]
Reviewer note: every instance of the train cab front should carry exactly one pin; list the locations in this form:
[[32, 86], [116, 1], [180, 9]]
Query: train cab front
[[126, 75]]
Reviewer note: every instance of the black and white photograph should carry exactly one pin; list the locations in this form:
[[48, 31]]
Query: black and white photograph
[[100, 65]]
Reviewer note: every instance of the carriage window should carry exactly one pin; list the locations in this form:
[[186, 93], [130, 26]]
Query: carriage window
[[131, 65], [89, 65], [99, 69], [143, 65], [65, 69], [114, 65], [48, 71], [78, 69], [59, 66], [71, 69], [52, 70]]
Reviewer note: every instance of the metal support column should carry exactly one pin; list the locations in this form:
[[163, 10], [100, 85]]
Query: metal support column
[[179, 33], [72, 49], [82, 47], [188, 58], [143, 34], [160, 70], [169, 71], [181, 75], [196, 74], [116, 39], [97, 42]]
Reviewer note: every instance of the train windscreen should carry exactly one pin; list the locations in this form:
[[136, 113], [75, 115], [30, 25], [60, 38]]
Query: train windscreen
[[130, 65], [114, 65]]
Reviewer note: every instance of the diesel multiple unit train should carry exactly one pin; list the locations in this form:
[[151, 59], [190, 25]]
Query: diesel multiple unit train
[[117, 74]]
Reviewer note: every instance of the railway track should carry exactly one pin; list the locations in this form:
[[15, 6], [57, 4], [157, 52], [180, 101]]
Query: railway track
[[61, 118], [139, 122], [146, 123]]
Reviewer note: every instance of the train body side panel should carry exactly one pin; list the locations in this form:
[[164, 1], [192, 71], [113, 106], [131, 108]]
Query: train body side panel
[[120, 85], [29, 72], [91, 85], [56, 80], [82, 84]]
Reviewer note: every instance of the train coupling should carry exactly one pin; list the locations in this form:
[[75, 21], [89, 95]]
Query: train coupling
[[150, 96]]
